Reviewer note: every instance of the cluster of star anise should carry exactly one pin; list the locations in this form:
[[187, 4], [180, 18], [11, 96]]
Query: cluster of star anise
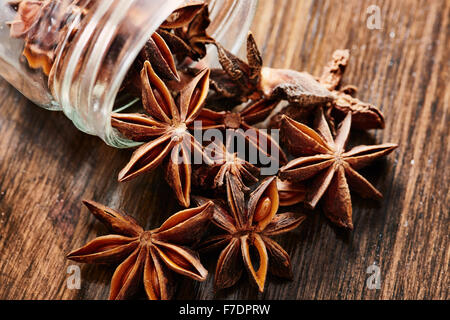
[[240, 97]]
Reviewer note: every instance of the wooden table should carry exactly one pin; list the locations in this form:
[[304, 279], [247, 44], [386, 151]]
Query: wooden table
[[47, 167]]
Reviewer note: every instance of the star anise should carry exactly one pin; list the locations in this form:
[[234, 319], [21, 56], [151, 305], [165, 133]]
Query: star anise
[[294, 111], [158, 53], [251, 81], [42, 25], [329, 168], [249, 226], [146, 257], [243, 121], [185, 31], [225, 161], [165, 131], [364, 116]]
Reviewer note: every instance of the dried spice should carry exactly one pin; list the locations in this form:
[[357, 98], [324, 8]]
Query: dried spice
[[364, 115], [158, 53], [251, 81], [146, 257], [42, 25], [183, 35], [304, 115], [245, 120], [249, 226], [330, 169], [165, 131], [173, 98], [185, 31], [183, 15], [225, 161]]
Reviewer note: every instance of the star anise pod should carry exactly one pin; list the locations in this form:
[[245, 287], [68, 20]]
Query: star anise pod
[[185, 31], [42, 25], [164, 45], [146, 257], [251, 81], [158, 53], [364, 115], [243, 121], [165, 130], [184, 14], [249, 226], [225, 161], [294, 111], [291, 193], [330, 169]]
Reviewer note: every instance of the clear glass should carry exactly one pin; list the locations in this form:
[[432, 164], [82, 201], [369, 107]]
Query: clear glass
[[107, 39]]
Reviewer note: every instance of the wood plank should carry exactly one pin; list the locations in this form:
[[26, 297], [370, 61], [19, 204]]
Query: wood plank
[[47, 167]]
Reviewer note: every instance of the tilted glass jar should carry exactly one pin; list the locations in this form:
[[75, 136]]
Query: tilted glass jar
[[99, 46]]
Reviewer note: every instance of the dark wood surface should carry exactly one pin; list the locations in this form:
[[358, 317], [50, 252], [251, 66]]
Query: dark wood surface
[[47, 167]]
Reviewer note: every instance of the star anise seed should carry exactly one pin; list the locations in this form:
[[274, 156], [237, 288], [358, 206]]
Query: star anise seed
[[158, 53], [291, 193], [161, 58], [183, 15]]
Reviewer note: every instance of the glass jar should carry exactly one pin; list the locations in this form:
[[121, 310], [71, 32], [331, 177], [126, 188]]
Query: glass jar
[[107, 38]]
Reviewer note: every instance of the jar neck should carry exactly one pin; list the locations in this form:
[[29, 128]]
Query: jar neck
[[94, 59], [90, 68]]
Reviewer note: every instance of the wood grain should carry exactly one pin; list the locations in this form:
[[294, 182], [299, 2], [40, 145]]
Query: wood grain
[[47, 167]]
